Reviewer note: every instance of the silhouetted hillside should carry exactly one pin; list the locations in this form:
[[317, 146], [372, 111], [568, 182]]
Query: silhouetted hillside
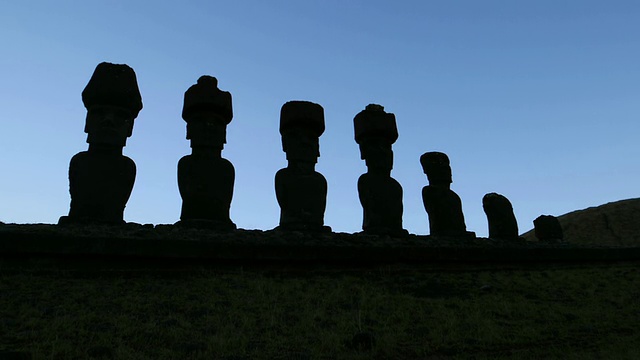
[[614, 223]]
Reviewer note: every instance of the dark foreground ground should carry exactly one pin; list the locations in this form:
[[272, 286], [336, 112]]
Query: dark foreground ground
[[122, 307]]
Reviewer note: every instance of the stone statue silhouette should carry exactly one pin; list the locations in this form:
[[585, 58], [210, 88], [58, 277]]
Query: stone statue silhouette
[[443, 206], [547, 228], [380, 194], [101, 179], [205, 179], [502, 221], [301, 191]]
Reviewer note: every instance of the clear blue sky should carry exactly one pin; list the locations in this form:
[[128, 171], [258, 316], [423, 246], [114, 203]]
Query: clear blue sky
[[536, 100]]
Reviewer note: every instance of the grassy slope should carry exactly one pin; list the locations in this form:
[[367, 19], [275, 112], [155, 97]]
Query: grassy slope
[[412, 313]]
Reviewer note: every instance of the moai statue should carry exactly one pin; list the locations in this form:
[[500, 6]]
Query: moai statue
[[548, 229], [205, 179], [380, 194], [101, 179], [300, 190], [442, 205], [502, 221]]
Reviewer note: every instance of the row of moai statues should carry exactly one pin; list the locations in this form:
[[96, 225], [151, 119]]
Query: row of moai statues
[[101, 179]]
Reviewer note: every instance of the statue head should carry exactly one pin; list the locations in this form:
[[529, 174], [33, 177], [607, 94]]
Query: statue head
[[500, 216], [375, 131], [301, 124], [436, 166], [494, 203], [113, 101], [207, 111], [547, 227]]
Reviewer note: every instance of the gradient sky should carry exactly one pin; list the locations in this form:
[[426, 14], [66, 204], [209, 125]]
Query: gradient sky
[[535, 100]]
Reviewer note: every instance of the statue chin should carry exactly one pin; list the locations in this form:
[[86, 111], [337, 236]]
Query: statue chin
[[107, 140]]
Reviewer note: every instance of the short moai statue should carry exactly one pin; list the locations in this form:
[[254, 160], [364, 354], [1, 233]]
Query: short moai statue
[[301, 191], [443, 206], [101, 179], [502, 221], [547, 228], [205, 178], [380, 194]]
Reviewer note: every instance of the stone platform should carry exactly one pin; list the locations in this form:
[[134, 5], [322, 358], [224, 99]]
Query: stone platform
[[133, 242]]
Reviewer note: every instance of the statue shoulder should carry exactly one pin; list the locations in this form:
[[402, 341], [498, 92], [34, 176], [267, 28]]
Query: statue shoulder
[[128, 162], [226, 164], [79, 157], [319, 176]]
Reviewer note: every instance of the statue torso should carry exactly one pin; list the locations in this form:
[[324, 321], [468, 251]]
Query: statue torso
[[302, 197], [381, 199], [445, 211], [100, 185], [206, 187]]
